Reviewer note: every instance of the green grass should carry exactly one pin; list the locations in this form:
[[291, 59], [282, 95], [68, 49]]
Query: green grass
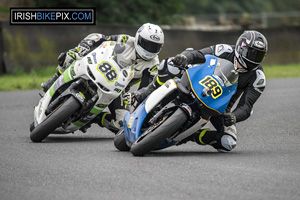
[[279, 71], [24, 81]]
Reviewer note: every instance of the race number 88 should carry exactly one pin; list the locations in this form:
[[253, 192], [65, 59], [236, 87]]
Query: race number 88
[[213, 85], [108, 71]]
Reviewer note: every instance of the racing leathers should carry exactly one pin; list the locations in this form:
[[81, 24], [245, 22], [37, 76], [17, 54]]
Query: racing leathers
[[142, 73], [251, 84]]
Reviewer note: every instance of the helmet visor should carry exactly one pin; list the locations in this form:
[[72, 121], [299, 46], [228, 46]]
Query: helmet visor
[[253, 55], [148, 45]]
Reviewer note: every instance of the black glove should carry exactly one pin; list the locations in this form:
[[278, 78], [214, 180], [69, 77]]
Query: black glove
[[84, 47], [61, 58], [180, 60], [229, 119]]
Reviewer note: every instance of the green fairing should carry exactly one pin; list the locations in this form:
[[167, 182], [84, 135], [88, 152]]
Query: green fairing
[[79, 123], [95, 111], [67, 78]]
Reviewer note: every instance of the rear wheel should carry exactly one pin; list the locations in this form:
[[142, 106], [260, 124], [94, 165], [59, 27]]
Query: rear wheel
[[120, 142], [54, 120], [150, 141]]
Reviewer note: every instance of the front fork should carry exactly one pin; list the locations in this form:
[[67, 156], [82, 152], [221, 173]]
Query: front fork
[[73, 91]]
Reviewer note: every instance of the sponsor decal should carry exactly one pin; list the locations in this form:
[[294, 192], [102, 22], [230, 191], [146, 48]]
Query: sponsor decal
[[167, 84], [212, 62], [155, 37], [125, 73], [188, 109], [72, 71], [220, 48], [130, 122], [117, 90], [119, 84], [94, 57], [89, 60], [140, 29], [259, 44], [77, 67], [79, 97], [131, 75]]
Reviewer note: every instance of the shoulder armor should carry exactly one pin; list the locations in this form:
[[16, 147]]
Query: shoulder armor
[[260, 80], [222, 48]]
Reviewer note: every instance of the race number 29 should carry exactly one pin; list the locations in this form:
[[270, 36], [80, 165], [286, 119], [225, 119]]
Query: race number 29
[[108, 71], [213, 85]]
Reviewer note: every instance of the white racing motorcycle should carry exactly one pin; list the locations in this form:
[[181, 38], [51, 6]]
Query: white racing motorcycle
[[82, 92]]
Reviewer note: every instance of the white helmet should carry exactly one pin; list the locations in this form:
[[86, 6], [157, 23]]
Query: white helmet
[[149, 40]]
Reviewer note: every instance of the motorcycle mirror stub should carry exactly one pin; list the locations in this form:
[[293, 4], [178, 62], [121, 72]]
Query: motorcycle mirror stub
[[206, 92]]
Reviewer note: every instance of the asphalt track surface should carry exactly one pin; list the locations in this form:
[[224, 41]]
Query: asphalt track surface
[[264, 165]]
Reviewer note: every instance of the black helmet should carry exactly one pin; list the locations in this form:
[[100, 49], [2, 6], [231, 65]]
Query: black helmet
[[250, 49]]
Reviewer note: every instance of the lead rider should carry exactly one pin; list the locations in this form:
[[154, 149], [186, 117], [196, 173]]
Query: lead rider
[[247, 56]]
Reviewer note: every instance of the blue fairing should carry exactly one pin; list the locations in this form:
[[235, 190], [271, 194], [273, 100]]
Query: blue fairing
[[133, 123], [201, 73]]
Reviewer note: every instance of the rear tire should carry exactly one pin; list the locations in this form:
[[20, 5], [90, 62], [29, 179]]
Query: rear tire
[[54, 120], [144, 145], [120, 142]]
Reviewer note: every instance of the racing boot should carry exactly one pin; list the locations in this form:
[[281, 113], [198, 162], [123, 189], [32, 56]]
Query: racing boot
[[144, 92], [106, 120], [221, 141], [46, 85], [201, 137]]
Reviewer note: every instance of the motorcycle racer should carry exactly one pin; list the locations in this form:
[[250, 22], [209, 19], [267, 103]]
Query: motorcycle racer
[[146, 45], [247, 56]]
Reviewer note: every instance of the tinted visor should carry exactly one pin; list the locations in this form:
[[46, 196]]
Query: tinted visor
[[149, 45], [253, 55]]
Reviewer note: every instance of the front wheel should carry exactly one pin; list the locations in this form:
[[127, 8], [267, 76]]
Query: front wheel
[[153, 139], [54, 120], [120, 142]]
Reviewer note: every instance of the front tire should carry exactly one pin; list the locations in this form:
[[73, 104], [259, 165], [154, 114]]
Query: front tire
[[144, 145], [54, 120], [120, 142]]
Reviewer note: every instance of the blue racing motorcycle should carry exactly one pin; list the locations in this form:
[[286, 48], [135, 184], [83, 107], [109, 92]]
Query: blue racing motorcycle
[[179, 108]]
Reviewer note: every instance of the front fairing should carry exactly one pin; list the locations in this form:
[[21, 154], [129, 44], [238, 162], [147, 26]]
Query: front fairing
[[201, 77], [133, 122]]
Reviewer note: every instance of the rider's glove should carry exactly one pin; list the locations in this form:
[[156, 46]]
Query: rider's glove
[[84, 47], [127, 99], [180, 60], [229, 119], [65, 59]]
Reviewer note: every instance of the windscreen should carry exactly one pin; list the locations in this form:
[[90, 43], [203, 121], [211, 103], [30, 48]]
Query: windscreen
[[225, 72]]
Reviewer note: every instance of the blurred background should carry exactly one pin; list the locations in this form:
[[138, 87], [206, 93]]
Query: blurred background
[[186, 23]]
